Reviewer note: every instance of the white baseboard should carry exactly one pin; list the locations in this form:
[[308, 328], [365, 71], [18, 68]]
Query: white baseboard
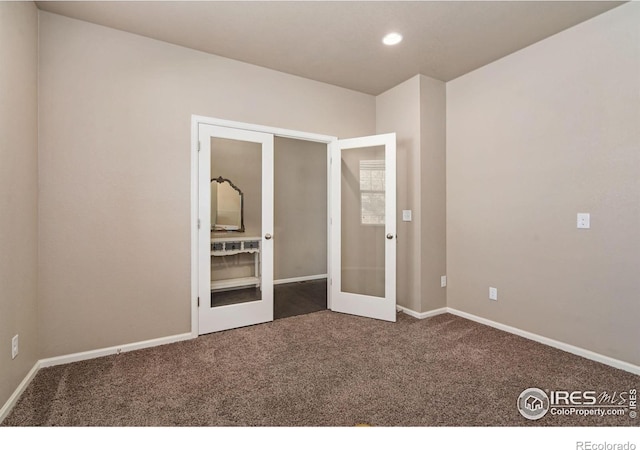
[[299, 279], [11, 402], [424, 315], [588, 354], [81, 356]]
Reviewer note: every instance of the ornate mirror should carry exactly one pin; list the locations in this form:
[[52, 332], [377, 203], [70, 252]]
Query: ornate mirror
[[227, 203]]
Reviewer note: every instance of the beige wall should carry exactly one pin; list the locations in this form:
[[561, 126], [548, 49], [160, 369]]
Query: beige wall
[[415, 110], [300, 208], [433, 210], [398, 110], [18, 191], [115, 116], [532, 140]]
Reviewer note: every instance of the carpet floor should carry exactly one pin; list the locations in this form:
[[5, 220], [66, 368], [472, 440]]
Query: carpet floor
[[321, 369]]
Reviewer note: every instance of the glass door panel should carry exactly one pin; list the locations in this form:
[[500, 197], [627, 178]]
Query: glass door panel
[[363, 243], [236, 221], [363, 220]]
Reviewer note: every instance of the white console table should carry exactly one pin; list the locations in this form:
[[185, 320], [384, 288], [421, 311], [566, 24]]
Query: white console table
[[228, 246]]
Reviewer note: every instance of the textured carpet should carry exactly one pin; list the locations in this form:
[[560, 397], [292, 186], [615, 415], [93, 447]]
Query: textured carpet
[[320, 369]]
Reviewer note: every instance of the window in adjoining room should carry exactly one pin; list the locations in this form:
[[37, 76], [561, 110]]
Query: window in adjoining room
[[372, 192]]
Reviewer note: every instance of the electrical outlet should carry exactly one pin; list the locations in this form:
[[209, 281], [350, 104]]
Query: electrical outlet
[[584, 220], [443, 281], [493, 293], [14, 347]]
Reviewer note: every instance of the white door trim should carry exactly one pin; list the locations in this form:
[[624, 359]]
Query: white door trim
[[196, 121]]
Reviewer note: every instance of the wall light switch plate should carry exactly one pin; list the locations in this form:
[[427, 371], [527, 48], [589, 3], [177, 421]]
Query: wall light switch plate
[[584, 220], [406, 215], [443, 281], [493, 293], [14, 347]]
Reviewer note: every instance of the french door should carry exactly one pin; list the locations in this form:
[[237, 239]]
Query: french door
[[363, 226], [235, 259]]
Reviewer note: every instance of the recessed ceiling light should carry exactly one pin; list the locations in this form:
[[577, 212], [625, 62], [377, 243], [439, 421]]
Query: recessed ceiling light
[[392, 39]]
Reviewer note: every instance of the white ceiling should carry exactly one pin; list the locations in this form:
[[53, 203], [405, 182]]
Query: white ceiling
[[340, 42]]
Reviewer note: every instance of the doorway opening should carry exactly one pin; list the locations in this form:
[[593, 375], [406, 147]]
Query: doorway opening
[[300, 219], [300, 223]]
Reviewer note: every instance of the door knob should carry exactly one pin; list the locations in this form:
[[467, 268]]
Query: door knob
[[267, 236], [389, 236]]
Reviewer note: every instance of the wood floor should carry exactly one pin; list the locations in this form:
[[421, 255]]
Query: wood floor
[[294, 299], [291, 299]]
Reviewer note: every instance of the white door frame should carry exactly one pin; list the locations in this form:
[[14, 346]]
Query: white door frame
[[196, 121]]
